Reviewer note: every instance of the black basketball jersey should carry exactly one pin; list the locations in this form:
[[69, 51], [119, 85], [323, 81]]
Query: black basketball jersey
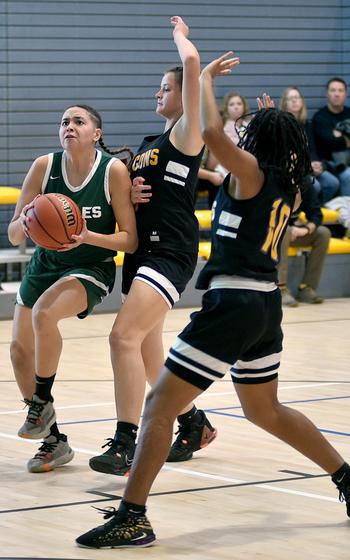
[[168, 220], [246, 234]]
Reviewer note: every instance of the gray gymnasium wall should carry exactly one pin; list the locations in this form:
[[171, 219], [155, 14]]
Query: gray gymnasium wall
[[111, 54]]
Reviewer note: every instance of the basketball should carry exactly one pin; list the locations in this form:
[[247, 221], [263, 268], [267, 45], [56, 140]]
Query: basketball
[[52, 220]]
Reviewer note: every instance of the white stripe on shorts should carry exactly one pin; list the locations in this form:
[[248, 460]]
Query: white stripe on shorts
[[169, 293], [272, 361], [92, 280], [19, 300], [224, 281], [201, 359]]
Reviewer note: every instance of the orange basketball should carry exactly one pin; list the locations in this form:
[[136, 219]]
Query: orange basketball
[[52, 220]]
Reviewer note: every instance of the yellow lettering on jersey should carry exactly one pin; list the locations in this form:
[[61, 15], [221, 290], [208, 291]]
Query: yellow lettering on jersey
[[150, 157], [279, 217], [154, 156]]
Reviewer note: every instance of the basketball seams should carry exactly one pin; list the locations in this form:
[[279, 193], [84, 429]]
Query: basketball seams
[[57, 209], [44, 229]]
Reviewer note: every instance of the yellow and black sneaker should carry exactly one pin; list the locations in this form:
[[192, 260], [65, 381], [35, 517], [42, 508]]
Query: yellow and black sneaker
[[124, 530]]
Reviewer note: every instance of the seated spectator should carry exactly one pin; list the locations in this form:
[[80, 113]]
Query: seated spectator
[[312, 234], [209, 179], [233, 110], [328, 140], [326, 183]]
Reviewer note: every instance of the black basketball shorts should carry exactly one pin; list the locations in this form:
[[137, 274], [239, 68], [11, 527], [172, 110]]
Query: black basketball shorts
[[237, 330], [165, 272]]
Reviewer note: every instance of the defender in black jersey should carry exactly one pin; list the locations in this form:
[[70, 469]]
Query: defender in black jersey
[[239, 325], [155, 276], [60, 284]]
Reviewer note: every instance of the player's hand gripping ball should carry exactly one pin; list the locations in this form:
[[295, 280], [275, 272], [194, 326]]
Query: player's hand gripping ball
[[52, 219]]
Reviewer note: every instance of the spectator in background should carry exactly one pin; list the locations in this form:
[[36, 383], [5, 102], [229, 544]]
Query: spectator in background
[[326, 183], [310, 234], [233, 110], [208, 178], [329, 141]]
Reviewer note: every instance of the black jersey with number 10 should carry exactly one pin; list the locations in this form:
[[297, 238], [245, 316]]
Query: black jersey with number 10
[[246, 234]]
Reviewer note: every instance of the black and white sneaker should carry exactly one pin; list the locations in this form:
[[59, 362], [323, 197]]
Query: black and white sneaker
[[118, 458], [191, 438], [128, 530], [344, 491]]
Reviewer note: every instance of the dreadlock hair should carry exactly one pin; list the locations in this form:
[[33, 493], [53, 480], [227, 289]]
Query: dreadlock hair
[[279, 143], [178, 72], [96, 118]]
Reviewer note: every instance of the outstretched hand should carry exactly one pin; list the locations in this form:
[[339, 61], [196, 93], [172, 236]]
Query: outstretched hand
[[179, 25], [266, 102], [221, 66]]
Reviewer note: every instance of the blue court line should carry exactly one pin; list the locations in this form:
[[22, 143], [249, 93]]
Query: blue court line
[[285, 402], [323, 430], [240, 416]]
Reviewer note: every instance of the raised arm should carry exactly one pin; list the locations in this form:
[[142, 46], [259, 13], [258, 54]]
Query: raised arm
[[242, 165], [30, 189], [186, 135]]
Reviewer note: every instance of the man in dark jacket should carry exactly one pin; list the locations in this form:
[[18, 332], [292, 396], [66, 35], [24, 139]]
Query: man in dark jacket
[[310, 234], [330, 142]]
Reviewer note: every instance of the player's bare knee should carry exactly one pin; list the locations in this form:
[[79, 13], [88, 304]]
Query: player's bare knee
[[120, 340], [41, 317], [155, 409], [19, 353], [263, 415]]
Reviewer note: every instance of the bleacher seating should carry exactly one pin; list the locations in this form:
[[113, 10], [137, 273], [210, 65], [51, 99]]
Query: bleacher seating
[[330, 217]]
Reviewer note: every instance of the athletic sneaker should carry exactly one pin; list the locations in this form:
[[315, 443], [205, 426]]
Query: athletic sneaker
[[117, 459], [41, 415], [53, 453], [308, 295], [191, 438], [287, 299], [344, 491], [122, 531]]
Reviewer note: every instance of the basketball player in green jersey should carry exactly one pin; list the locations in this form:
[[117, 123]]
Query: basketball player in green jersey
[[61, 284]]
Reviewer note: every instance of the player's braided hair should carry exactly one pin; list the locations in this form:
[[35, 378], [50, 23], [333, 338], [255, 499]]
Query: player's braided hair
[[127, 160], [279, 143], [96, 117]]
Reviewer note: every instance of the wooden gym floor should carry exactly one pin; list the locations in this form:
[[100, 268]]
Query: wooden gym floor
[[247, 496]]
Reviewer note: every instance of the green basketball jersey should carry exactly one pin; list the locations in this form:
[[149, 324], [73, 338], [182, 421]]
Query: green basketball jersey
[[93, 199]]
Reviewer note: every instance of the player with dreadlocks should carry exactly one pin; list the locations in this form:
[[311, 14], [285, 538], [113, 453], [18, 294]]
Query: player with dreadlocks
[[239, 326]]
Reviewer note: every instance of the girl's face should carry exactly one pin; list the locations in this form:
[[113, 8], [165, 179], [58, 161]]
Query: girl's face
[[169, 97], [235, 107], [294, 102], [78, 130]]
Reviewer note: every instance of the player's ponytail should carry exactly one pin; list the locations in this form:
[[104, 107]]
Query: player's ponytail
[[126, 160]]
